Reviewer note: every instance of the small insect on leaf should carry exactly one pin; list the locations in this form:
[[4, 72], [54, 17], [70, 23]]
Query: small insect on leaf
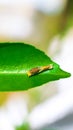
[[19, 62], [37, 70]]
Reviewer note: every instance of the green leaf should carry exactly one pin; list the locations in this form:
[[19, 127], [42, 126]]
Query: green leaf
[[16, 59], [23, 127]]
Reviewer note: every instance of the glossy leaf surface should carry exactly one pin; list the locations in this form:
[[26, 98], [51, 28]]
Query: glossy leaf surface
[[16, 59]]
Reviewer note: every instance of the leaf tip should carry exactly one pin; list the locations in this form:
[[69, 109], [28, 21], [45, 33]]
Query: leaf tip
[[65, 74]]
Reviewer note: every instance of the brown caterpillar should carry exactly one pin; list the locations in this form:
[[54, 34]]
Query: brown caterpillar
[[37, 70]]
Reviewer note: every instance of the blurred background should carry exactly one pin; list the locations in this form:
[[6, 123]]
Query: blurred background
[[48, 25]]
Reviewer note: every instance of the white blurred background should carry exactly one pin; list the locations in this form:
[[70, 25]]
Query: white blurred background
[[43, 24]]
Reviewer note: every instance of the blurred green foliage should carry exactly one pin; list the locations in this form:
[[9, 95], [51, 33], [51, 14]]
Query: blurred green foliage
[[23, 127]]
